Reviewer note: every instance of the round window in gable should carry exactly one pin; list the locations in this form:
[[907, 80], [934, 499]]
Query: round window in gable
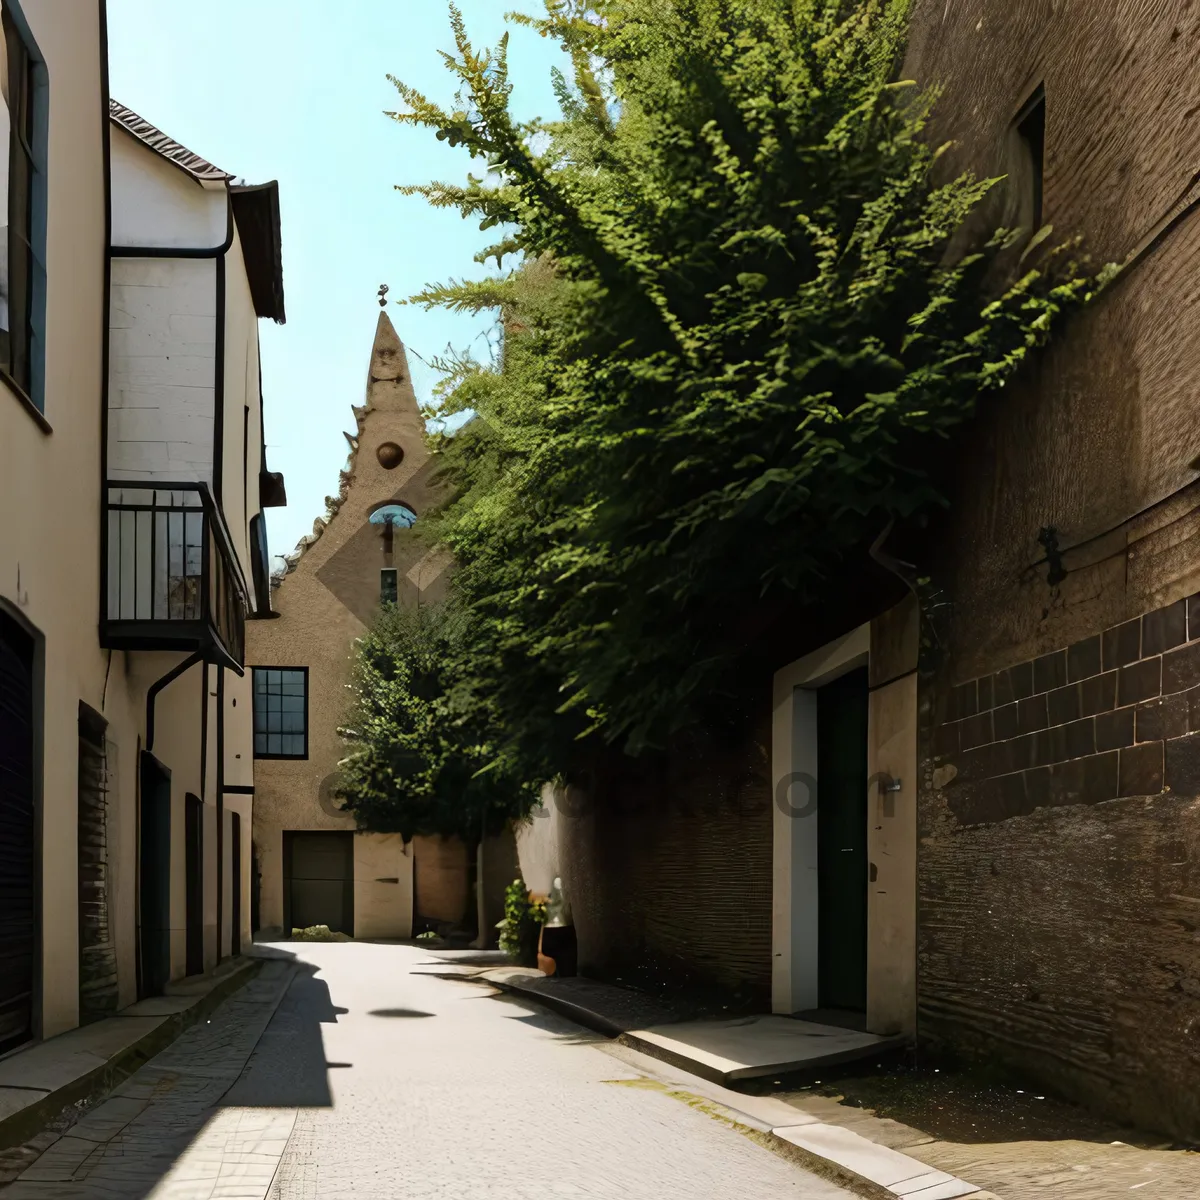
[[390, 456], [398, 516]]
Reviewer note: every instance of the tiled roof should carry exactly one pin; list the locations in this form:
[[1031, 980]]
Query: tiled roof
[[152, 136]]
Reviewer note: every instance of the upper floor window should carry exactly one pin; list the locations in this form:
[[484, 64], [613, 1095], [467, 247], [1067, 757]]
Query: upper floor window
[[22, 203], [280, 712]]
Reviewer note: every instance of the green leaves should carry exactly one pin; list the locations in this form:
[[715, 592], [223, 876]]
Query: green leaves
[[418, 758], [746, 315]]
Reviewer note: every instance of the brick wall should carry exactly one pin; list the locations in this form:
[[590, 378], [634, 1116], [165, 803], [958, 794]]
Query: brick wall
[[1059, 869], [669, 869], [1110, 716]]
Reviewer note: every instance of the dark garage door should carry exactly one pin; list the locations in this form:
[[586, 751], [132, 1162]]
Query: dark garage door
[[16, 835], [318, 881]]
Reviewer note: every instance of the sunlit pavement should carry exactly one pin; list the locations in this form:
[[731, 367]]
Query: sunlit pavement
[[375, 1078]]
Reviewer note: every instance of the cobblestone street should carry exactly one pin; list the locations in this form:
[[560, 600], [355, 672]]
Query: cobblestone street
[[357, 1072]]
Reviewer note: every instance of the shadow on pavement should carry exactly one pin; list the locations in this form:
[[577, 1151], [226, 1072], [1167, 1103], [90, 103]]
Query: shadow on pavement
[[288, 1067]]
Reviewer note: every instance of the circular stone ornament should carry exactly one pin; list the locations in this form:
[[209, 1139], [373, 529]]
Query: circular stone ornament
[[390, 456]]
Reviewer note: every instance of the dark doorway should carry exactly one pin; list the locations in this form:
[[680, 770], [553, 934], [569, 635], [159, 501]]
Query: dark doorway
[[194, 886], [18, 927], [154, 877], [97, 950], [255, 890], [318, 881], [842, 842], [235, 881]]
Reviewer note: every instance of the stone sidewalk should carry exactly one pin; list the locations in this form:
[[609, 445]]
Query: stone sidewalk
[[154, 1136], [1019, 1145], [45, 1084]]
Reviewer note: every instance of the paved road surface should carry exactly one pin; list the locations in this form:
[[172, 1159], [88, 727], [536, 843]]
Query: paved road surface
[[375, 1078]]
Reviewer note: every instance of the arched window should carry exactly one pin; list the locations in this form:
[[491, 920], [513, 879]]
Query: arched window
[[399, 516]]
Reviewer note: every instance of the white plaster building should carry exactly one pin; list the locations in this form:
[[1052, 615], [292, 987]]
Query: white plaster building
[[196, 262]]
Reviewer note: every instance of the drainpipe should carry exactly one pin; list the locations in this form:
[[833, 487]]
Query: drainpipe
[[158, 685]]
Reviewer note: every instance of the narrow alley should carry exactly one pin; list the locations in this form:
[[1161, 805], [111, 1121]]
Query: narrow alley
[[376, 1078]]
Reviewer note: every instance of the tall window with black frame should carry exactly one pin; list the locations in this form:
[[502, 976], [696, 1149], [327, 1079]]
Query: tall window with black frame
[[18, 130], [280, 712]]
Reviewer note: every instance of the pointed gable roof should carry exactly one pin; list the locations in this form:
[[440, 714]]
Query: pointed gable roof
[[389, 389], [389, 365]]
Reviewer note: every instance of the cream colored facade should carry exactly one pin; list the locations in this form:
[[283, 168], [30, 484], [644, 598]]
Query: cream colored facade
[[70, 662]]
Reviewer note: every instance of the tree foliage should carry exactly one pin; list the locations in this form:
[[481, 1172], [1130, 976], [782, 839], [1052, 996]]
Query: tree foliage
[[417, 763], [740, 314]]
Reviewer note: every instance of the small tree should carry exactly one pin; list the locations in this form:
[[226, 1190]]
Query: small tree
[[418, 764]]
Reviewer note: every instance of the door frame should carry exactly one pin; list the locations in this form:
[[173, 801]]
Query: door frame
[[794, 894], [38, 717], [891, 812]]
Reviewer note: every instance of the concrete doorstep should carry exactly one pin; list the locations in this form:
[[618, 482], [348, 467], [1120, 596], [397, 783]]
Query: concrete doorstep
[[39, 1081], [693, 1060]]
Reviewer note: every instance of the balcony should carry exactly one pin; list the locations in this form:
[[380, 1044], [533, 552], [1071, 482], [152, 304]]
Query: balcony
[[173, 579]]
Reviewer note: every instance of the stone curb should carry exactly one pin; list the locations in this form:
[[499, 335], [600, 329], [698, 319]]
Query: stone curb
[[586, 1017], [834, 1153], [21, 1126]]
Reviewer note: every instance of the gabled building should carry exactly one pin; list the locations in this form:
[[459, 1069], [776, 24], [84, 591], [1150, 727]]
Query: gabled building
[[195, 263], [314, 867]]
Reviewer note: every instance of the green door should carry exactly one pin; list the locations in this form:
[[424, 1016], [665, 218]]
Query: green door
[[842, 842]]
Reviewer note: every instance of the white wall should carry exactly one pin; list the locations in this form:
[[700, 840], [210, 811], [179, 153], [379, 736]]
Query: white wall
[[537, 844], [162, 369], [155, 203]]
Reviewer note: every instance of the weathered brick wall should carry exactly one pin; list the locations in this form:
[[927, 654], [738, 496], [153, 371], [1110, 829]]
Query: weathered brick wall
[[670, 869], [1059, 863]]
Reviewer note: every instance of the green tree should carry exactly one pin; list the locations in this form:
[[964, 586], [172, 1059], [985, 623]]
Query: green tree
[[417, 763], [744, 314]]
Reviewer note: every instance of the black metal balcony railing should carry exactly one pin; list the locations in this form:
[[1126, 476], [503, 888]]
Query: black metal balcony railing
[[172, 576]]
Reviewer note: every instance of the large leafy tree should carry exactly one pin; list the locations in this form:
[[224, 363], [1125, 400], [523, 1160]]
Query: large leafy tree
[[741, 306]]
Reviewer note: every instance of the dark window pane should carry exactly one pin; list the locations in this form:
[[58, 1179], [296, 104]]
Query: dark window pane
[[279, 712]]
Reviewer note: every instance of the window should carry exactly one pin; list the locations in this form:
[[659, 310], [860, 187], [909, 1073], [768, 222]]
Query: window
[[22, 203], [389, 588], [1031, 130], [397, 516], [280, 712]]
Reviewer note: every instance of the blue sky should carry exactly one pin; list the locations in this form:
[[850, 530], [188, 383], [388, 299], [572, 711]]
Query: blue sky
[[295, 90]]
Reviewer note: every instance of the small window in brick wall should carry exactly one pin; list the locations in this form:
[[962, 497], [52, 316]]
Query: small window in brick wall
[[389, 586]]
